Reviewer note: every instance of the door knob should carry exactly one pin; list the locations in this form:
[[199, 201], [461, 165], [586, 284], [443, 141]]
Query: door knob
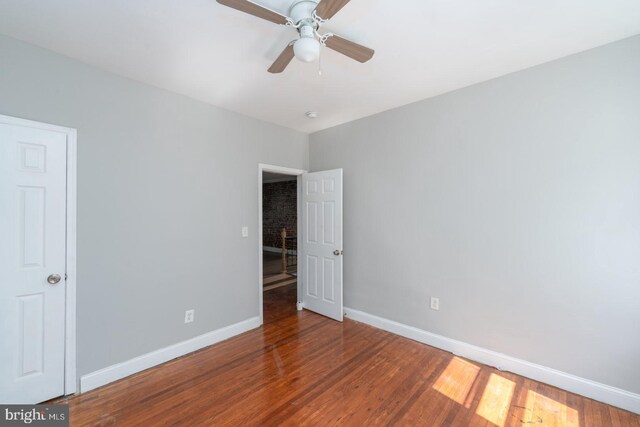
[[53, 279], [337, 252]]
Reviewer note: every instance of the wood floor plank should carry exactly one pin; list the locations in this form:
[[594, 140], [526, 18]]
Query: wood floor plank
[[304, 369]]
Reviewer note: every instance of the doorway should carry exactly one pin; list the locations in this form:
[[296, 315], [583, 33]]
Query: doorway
[[279, 235], [318, 243]]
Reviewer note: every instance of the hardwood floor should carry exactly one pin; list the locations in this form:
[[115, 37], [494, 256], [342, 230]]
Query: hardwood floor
[[301, 368]]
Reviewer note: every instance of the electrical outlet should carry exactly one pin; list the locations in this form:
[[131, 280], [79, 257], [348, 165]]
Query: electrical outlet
[[245, 231], [435, 303], [189, 316]]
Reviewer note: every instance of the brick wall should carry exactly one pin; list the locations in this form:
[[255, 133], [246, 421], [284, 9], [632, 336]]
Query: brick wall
[[279, 209]]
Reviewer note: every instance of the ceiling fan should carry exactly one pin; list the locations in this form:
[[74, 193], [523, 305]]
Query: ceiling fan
[[306, 16]]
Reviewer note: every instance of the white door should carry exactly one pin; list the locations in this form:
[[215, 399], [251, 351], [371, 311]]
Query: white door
[[322, 247], [32, 254]]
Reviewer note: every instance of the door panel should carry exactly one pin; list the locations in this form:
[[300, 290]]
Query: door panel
[[322, 221], [31, 333], [32, 247]]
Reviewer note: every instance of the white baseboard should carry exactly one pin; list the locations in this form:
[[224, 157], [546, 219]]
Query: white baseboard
[[121, 370], [594, 390]]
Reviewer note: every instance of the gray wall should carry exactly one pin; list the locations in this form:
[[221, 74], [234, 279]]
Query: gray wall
[[165, 184], [516, 202]]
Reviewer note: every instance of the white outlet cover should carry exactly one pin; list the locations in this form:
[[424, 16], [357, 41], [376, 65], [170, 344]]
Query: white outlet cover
[[435, 303], [245, 231], [189, 316]]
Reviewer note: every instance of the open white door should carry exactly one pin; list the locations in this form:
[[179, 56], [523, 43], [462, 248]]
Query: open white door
[[33, 170], [322, 247]]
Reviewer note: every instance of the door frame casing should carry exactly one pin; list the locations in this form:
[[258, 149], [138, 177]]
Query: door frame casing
[[70, 374], [262, 167]]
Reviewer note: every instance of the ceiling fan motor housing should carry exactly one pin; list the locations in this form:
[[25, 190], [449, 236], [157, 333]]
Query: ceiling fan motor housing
[[303, 10]]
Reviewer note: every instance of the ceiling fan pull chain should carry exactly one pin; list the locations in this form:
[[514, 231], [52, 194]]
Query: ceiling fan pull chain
[[320, 61]]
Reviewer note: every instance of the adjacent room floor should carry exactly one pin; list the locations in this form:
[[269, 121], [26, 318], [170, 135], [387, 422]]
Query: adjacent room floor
[[272, 276], [301, 368]]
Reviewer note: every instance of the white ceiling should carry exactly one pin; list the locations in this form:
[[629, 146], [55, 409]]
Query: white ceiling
[[219, 55]]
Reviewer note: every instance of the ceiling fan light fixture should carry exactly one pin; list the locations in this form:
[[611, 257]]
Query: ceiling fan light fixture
[[306, 49]]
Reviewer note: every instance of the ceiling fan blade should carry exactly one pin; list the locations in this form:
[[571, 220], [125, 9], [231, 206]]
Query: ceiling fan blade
[[256, 10], [283, 60], [351, 49], [327, 8]]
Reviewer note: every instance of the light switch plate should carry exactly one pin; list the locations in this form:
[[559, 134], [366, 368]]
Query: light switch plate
[[245, 231]]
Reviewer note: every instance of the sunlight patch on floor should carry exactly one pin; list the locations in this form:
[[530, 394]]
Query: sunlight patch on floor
[[496, 400], [548, 412], [456, 380]]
